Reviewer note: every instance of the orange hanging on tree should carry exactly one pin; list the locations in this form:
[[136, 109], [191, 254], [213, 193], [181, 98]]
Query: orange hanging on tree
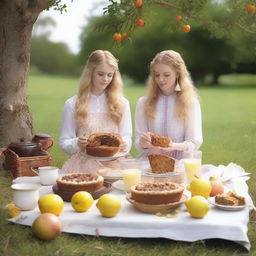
[[138, 3], [117, 37], [186, 28], [179, 18], [140, 23], [250, 8], [124, 36]]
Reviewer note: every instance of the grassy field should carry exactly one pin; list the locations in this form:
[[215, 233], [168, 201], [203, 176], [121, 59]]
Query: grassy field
[[229, 129]]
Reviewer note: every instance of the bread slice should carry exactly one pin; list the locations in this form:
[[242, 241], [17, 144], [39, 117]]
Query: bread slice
[[161, 163], [160, 141]]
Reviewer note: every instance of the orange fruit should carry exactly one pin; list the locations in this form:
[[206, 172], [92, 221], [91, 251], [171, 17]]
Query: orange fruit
[[140, 23], [124, 36], [186, 28], [250, 8], [138, 3], [179, 18], [117, 37]]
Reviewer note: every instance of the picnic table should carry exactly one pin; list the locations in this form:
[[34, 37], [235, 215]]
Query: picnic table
[[131, 223]]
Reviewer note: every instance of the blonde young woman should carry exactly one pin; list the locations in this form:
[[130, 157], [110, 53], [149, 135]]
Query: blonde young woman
[[171, 107], [98, 107]]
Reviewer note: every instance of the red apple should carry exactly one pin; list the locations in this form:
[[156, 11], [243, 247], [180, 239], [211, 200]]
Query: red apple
[[46, 226], [217, 186]]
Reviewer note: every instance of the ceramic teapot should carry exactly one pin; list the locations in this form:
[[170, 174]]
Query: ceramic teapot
[[26, 148], [45, 140]]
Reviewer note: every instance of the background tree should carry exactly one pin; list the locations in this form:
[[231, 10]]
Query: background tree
[[16, 23]]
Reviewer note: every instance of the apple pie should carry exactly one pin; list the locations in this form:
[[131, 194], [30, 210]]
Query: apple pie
[[74, 182], [157, 193]]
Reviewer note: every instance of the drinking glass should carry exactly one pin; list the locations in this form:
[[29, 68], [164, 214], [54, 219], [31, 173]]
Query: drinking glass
[[192, 161]]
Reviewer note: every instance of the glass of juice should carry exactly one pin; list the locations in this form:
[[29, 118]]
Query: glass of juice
[[192, 161], [131, 177]]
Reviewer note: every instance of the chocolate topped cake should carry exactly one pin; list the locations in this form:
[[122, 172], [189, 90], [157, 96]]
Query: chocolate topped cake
[[157, 193], [103, 144]]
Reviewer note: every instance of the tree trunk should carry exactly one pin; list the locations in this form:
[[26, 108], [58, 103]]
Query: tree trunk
[[16, 22]]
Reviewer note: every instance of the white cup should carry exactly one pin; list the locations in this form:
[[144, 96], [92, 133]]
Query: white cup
[[47, 174], [25, 195]]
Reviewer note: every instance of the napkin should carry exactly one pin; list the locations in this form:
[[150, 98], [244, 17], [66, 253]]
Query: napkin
[[27, 179]]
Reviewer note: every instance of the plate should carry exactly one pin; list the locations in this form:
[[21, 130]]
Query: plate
[[226, 207], [110, 173], [174, 173], [119, 185], [108, 158], [66, 195], [154, 208]]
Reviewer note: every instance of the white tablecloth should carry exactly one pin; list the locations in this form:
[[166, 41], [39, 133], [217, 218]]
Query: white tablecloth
[[131, 223]]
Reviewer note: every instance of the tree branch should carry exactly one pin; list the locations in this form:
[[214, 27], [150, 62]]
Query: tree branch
[[245, 29]]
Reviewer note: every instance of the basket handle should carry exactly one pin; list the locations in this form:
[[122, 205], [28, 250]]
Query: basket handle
[[35, 170]]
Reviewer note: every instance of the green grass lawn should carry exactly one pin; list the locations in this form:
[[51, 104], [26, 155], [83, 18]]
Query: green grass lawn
[[229, 131]]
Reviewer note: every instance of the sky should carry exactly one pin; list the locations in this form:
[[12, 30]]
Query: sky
[[69, 24]]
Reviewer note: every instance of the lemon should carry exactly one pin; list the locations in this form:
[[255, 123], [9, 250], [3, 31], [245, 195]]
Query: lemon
[[13, 210], [81, 201], [197, 206], [51, 203], [200, 187], [108, 205]]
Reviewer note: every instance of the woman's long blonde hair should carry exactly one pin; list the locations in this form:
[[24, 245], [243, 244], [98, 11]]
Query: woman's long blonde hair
[[184, 97], [113, 90]]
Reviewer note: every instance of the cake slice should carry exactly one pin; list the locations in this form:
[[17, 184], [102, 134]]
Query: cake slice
[[161, 163], [160, 141], [231, 199]]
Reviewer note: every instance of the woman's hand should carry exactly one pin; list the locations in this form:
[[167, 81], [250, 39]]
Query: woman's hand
[[123, 147], [82, 142], [145, 140]]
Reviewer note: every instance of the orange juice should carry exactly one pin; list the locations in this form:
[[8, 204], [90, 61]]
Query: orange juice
[[131, 177], [193, 167]]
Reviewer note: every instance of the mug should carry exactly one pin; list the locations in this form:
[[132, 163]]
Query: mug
[[25, 195], [47, 174], [45, 140]]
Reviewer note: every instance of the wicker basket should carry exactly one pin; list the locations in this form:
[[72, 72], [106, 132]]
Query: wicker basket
[[21, 166]]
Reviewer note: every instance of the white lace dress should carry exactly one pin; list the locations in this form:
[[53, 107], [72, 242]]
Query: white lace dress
[[97, 121]]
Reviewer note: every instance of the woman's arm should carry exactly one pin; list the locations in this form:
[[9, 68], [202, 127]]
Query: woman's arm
[[193, 130], [125, 127], [141, 127], [68, 138]]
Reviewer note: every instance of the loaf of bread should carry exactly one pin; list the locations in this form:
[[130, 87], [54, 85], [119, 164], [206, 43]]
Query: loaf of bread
[[161, 163], [103, 144], [160, 141]]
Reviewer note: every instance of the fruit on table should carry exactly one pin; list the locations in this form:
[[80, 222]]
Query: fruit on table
[[108, 205], [197, 206], [12, 210], [46, 226], [81, 201], [217, 186], [200, 187], [51, 203]]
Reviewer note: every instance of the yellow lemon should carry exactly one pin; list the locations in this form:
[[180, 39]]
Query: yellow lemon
[[51, 203], [200, 187], [81, 201], [197, 206], [12, 210], [108, 205]]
